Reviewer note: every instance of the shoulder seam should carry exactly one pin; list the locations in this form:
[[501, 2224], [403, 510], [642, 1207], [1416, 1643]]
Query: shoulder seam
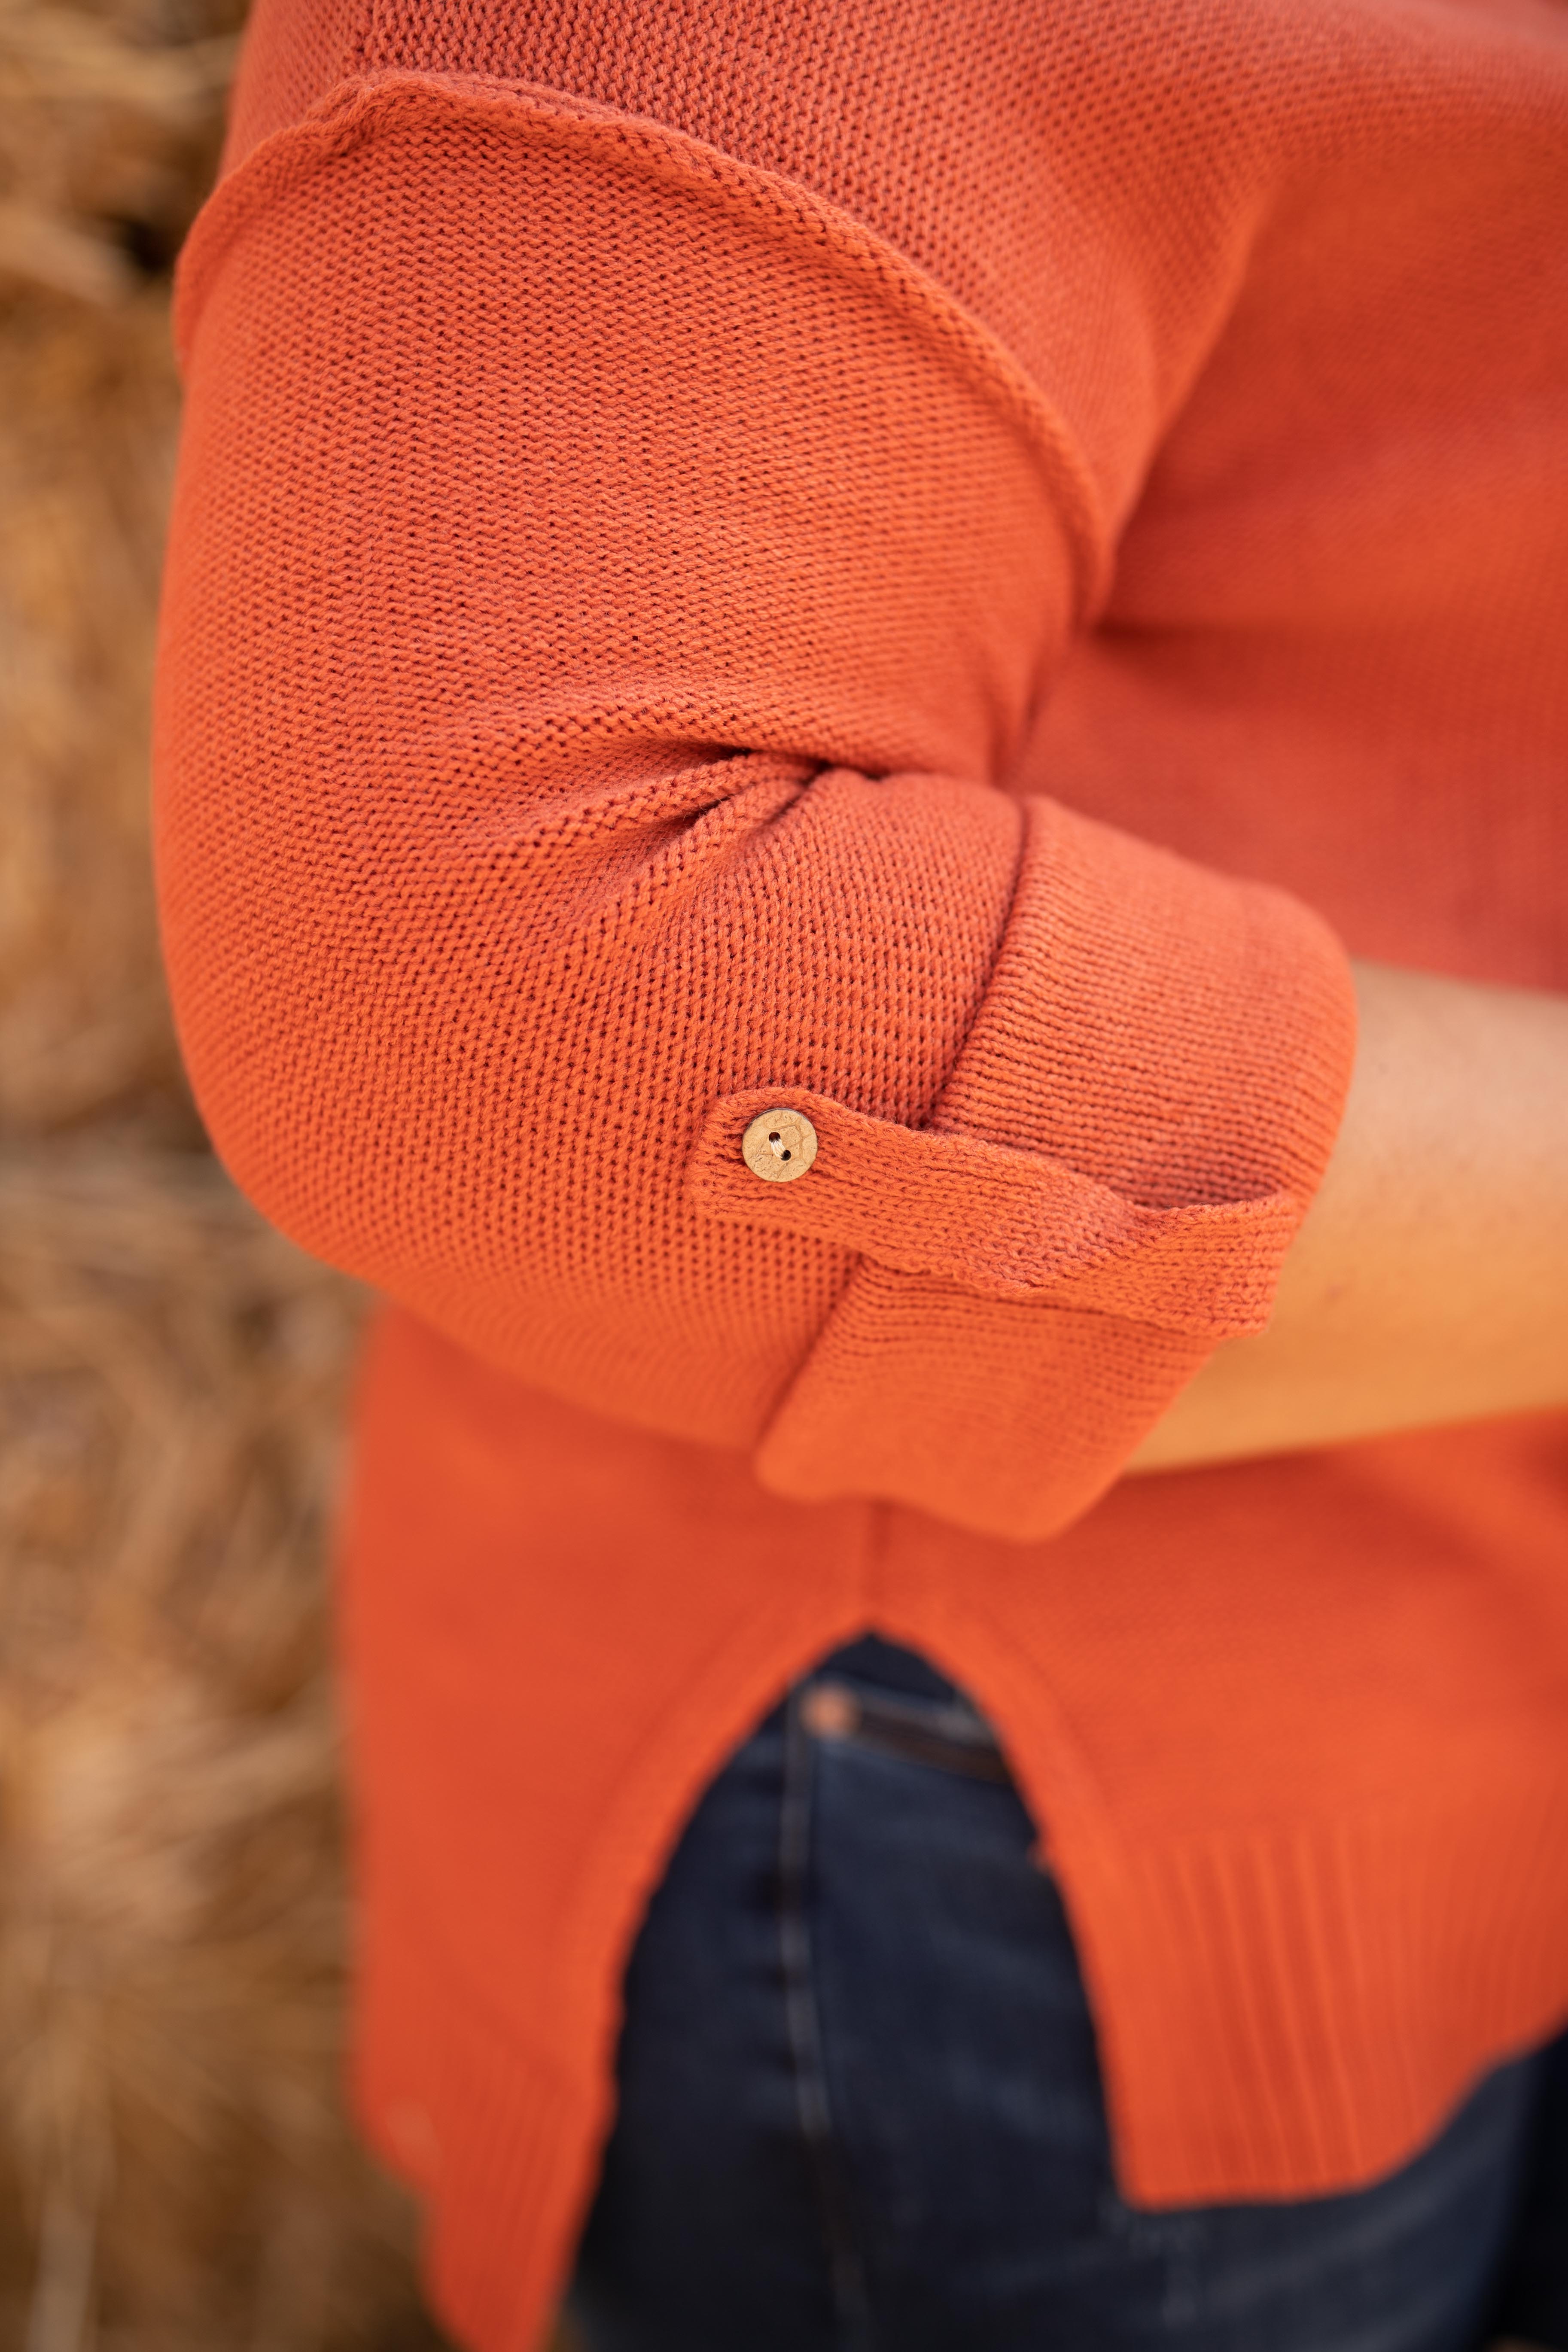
[[345, 115]]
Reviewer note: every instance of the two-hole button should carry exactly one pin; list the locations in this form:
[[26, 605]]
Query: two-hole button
[[779, 1146]]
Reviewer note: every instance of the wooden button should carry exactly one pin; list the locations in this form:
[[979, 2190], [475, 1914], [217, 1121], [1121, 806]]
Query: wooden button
[[780, 1146]]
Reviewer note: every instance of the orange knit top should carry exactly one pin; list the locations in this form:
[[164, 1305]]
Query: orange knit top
[[932, 566]]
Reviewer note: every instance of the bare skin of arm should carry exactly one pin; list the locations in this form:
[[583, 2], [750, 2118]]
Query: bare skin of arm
[[1429, 1282]]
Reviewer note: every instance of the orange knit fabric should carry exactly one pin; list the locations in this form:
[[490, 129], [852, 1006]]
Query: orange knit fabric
[[908, 562]]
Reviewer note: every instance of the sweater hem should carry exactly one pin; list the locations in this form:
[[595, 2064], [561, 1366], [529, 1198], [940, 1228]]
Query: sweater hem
[[1303, 2034], [1242, 2070], [500, 2145]]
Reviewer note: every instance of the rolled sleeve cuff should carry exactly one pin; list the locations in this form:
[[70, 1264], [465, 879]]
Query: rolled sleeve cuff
[[1107, 1188]]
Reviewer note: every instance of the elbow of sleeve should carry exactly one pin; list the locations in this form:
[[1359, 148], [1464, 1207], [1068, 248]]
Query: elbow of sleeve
[[1001, 1266]]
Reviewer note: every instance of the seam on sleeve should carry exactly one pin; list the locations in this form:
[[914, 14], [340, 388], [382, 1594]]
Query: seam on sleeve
[[359, 108]]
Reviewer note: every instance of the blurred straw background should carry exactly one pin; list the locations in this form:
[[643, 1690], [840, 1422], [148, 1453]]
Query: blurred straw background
[[176, 2172]]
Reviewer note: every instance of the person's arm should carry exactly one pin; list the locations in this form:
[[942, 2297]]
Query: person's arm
[[1429, 1281], [607, 587]]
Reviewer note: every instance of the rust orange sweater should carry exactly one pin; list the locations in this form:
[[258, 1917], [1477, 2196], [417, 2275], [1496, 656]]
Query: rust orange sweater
[[934, 566]]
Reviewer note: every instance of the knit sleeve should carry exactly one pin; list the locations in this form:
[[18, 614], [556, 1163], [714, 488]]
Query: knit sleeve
[[609, 590]]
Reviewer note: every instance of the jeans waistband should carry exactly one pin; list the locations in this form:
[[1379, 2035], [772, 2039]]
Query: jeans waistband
[[891, 1700]]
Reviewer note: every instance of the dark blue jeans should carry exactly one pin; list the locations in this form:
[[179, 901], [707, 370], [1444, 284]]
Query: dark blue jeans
[[860, 2109]]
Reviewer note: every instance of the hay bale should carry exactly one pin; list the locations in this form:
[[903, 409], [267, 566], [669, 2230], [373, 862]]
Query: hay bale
[[109, 123], [178, 2172], [175, 2169]]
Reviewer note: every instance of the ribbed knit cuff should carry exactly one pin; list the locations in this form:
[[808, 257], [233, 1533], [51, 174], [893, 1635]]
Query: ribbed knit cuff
[[1133, 1133]]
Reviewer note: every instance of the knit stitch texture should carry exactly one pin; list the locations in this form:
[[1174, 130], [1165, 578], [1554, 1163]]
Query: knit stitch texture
[[935, 566]]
